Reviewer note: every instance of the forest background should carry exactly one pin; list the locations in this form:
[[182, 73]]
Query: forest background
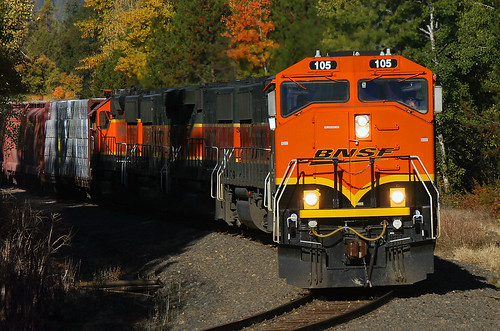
[[88, 45]]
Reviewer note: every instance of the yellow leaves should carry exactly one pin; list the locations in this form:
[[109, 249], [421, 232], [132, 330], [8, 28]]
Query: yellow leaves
[[124, 26], [14, 18], [133, 63]]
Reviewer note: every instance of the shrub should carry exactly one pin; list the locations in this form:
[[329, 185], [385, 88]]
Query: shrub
[[484, 197]]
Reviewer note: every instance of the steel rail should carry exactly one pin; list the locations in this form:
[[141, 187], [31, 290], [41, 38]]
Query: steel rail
[[323, 324], [245, 322], [355, 313]]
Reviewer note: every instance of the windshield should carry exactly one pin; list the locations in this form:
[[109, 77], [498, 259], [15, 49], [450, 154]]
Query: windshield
[[296, 95], [412, 93]]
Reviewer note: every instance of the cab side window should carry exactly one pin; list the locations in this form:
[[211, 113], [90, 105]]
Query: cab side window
[[103, 120]]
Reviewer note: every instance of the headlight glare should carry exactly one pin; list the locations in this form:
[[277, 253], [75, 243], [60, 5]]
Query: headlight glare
[[311, 199], [398, 197]]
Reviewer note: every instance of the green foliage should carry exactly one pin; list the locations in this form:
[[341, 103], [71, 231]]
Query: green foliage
[[69, 46], [191, 49], [467, 63], [10, 80], [53, 48], [105, 75], [298, 32], [41, 39], [14, 17], [354, 25], [40, 75]]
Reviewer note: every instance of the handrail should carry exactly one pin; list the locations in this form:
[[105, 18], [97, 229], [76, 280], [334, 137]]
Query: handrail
[[277, 198], [430, 196], [227, 153], [267, 192], [214, 196], [226, 159]]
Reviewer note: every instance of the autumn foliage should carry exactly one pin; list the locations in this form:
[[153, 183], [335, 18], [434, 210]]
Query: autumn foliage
[[248, 28]]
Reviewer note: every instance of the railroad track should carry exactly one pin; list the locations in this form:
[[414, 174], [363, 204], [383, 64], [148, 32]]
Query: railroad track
[[311, 312]]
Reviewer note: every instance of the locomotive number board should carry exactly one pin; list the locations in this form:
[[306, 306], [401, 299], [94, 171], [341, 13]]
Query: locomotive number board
[[383, 63], [323, 65]]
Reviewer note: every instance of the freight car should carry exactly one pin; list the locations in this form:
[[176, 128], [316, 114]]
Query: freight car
[[333, 157]]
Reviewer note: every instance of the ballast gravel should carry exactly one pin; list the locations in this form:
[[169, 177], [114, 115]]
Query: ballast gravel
[[221, 275], [225, 277], [228, 277]]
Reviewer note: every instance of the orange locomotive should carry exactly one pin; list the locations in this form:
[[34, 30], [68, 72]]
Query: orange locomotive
[[354, 163]]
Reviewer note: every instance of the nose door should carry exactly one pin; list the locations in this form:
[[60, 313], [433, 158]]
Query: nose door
[[332, 132]]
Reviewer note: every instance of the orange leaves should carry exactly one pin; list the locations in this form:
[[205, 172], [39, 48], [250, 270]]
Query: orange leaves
[[248, 28], [71, 86]]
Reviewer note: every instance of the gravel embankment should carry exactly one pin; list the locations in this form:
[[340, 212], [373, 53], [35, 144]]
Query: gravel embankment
[[225, 276], [231, 277]]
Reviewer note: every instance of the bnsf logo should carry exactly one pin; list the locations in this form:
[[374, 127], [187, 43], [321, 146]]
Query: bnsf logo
[[354, 152], [346, 153]]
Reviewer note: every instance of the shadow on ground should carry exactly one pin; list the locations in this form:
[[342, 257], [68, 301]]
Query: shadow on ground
[[117, 241], [447, 277]]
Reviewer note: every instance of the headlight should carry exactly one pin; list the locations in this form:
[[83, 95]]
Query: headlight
[[362, 126], [398, 197], [311, 199]]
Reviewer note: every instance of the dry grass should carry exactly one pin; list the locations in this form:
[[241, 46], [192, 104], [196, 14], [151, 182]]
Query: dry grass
[[29, 276], [471, 237], [486, 257], [167, 302]]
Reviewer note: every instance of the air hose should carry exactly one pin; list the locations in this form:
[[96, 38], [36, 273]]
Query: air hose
[[384, 224]]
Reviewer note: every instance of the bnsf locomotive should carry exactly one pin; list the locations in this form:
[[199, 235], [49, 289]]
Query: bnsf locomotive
[[334, 157]]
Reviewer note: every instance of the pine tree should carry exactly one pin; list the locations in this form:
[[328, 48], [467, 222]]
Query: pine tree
[[298, 31], [191, 49]]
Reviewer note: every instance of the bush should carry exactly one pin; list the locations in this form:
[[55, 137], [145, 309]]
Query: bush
[[484, 197]]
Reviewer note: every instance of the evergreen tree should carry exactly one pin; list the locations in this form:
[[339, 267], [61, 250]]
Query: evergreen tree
[[467, 58], [191, 49], [298, 31], [41, 38], [354, 24]]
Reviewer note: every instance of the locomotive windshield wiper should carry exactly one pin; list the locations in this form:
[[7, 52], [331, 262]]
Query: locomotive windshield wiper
[[301, 86], [391, 74]]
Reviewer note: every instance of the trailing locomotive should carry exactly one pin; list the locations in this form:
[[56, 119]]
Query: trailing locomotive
[[333, 157]]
